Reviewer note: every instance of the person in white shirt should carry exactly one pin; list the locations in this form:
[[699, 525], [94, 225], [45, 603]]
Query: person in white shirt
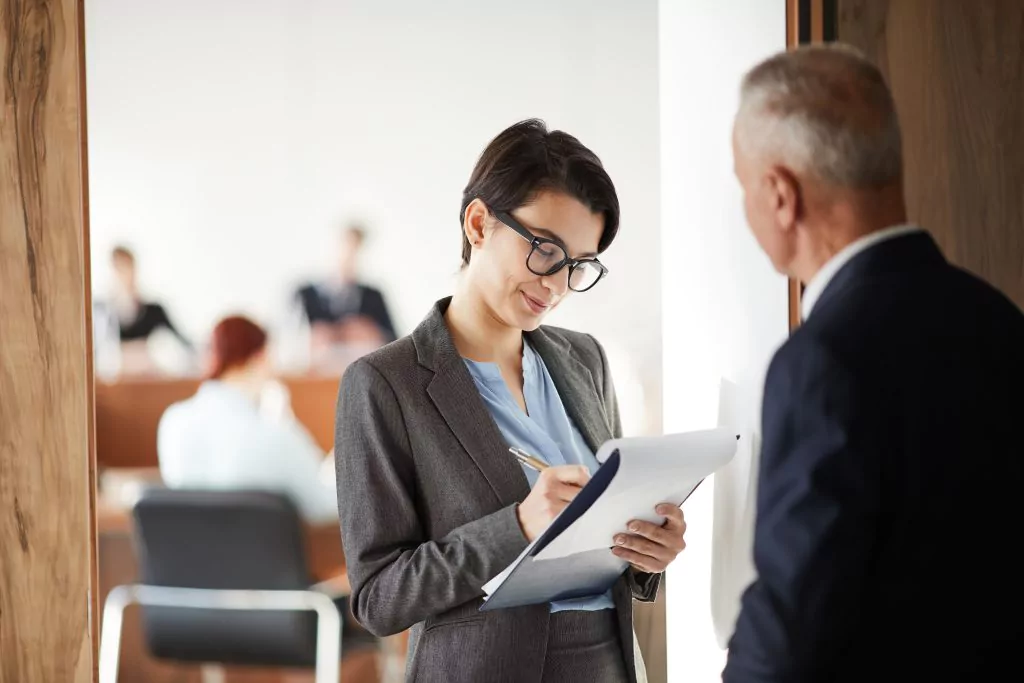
[[219, 439]]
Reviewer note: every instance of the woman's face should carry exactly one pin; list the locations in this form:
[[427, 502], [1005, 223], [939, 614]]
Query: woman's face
[[124, 272], [497, 270]]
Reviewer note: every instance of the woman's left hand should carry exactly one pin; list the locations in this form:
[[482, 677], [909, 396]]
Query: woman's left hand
[[651, 548]]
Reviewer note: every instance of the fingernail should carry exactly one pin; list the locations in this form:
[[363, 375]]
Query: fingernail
[[634, 526], [662, 510], [620, 540]]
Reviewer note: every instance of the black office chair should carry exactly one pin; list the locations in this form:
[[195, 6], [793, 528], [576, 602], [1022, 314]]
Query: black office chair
[[224, 581]]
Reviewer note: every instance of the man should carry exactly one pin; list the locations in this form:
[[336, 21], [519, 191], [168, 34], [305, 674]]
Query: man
[[888, 511], [345, 310]]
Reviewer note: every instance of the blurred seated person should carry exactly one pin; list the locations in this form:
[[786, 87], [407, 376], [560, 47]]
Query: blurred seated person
[[137, 318], [343, 311], [221, 439]]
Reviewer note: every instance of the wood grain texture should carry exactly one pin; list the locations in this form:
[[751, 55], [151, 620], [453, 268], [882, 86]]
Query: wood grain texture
[[792, 23], [792, 41], [90, 377], [817, 21], [44, 473], [957, 73]]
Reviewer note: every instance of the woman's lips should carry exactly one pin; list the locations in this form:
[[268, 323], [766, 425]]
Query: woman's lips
[[536, 305]]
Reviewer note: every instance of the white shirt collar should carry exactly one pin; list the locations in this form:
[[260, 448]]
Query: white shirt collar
[[820, 281]]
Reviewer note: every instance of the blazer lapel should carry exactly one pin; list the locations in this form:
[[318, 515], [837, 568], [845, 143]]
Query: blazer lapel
[[576, 387], [457, 398]]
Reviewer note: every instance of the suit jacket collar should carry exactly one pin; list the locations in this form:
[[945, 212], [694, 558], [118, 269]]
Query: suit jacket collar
[[899, 255], [457, 398], [575, 383]]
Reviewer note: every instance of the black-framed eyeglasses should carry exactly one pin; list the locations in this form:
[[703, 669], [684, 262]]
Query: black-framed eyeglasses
[[547, 257]]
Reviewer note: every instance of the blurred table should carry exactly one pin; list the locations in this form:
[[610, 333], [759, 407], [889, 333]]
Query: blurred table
[[128, 412]]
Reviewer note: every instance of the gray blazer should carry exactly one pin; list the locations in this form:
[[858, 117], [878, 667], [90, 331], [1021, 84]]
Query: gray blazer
[[427, 495]]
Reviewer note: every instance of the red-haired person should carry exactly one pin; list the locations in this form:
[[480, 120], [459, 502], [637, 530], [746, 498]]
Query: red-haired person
[[219, 440]]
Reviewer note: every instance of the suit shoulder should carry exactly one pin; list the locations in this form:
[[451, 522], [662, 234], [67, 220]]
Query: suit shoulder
[[394, 362], [985, 292]]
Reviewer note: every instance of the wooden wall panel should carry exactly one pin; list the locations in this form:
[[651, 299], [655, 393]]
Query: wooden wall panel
[[957, 72], [44, 459]]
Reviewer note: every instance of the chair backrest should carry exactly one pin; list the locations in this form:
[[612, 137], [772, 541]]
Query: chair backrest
[[235, 540]]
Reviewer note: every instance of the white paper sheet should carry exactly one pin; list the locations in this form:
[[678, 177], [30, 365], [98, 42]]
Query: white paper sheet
[[493, 584], [652, 470]]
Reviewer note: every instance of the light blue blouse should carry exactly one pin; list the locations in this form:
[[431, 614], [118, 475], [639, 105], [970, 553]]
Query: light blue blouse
[[547, 431]]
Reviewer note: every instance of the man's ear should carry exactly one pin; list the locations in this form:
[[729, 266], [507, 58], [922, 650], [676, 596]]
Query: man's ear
[[786, 197]]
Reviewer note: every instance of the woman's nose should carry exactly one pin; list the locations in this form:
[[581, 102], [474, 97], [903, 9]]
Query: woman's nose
[[556, 283]]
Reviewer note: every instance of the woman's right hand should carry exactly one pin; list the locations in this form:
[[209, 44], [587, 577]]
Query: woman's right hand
[[555, 488]]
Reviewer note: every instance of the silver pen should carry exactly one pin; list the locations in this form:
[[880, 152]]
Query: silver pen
[[531, 461]]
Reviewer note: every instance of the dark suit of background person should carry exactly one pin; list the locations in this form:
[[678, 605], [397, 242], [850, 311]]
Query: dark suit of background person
[[325, 305], [337, 309], [451, 494], [889, 499]]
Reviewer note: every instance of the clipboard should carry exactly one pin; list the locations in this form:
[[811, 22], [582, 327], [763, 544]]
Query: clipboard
[[573, 557]]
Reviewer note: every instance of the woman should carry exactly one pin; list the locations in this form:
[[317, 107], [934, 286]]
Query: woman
[[220, 439], [138, 318], [433, 505]]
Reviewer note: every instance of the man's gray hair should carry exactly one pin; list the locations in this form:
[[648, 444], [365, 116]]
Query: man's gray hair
[[824, 111]]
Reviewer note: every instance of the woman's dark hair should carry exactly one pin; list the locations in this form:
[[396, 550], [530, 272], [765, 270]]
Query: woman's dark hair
[[526, 159]]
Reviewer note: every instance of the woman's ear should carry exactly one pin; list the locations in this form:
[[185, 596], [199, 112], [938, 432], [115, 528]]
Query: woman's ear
[[475, 222]]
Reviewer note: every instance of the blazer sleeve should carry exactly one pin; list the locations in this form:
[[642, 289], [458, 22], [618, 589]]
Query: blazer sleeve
[[817, 515], [643, 585], [399, 576]]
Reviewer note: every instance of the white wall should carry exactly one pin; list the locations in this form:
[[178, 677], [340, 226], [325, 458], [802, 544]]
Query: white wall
[[228, 139], [725, 310]]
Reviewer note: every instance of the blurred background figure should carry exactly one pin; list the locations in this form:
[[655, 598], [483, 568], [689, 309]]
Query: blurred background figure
[[226, 438], [343, 311], [129, 321]]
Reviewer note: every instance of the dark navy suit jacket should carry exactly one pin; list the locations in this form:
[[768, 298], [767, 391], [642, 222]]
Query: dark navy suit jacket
[[890, 496], [321, 305]]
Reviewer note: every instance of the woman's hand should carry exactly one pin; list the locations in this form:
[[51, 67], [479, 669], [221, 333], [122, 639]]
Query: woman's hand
[[651, 548], [555, 488]]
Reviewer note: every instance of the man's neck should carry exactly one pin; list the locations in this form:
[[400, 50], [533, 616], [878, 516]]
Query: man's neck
[[843, 223]]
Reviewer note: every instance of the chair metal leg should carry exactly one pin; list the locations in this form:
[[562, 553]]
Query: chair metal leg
[[328, 631], [212, 673], [328, 640], [110, 637]]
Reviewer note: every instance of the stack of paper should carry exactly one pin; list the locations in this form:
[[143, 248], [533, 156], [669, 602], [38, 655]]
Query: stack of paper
[[573, 556]]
